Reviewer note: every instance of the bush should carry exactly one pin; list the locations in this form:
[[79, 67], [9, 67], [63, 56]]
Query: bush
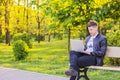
[[20, 50], [23, 36], [113, 40]]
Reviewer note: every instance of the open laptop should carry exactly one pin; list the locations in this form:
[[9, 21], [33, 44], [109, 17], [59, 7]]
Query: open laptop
[[77, 45]]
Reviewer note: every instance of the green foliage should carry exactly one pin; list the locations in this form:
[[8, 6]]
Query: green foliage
[[112, 61], [113, 38], [111, 28], [20, 50], [110, 9], [115, 10], [102, 12], [74, 13], [2, 38], [42, 37], [23, 36]]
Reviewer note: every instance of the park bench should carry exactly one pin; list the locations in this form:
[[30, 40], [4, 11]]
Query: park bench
[[113, 52]]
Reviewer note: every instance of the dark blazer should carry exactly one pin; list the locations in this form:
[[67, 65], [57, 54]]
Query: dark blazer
[[99, 48]]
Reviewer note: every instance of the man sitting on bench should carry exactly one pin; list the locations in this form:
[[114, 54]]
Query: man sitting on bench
[[93, 54]]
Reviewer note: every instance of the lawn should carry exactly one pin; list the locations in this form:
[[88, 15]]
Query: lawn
[[49, 58]]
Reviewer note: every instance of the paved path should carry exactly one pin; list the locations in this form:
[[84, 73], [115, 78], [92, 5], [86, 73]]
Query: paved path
[[15, 74]]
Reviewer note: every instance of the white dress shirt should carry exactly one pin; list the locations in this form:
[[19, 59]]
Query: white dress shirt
[[90, 43]]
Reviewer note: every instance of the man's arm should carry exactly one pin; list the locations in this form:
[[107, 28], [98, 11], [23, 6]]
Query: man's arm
[[103, 48]]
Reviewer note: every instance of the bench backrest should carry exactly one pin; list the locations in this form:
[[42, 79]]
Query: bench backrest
[[113, 52]]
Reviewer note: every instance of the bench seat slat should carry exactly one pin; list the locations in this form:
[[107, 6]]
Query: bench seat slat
[[113, 68]]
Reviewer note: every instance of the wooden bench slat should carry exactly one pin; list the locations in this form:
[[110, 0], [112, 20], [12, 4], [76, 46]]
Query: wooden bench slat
[[113, 52], [113, 68]]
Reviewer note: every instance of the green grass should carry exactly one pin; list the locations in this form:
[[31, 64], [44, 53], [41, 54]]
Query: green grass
[[49, 58]]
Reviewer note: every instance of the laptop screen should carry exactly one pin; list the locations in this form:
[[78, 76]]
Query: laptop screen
[[77, 45]]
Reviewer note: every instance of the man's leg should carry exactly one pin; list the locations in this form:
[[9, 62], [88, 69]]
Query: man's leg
[[86, 60], [73, 64], [72, 77], [78, 59], [74, 60]]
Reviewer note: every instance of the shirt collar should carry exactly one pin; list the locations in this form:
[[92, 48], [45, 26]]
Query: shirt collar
[[94, 36]]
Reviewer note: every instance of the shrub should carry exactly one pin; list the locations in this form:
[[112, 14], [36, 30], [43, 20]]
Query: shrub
[[23, 36], [20, 50], [113, 40]]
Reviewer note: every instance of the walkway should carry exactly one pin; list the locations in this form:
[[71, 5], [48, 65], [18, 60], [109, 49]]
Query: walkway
[[15, 74]]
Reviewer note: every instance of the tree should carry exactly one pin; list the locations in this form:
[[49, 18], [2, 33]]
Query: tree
[[7, 4], [69, 13], [39, 17], [1, 20], [39, 20], [0, 17]]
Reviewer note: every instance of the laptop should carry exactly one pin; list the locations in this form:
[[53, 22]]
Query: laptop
[[77, 45]]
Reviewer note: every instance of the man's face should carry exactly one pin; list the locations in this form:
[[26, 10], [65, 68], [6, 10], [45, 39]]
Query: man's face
[[93, 30]]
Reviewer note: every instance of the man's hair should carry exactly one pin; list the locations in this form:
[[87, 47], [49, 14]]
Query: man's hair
[[92, 23]]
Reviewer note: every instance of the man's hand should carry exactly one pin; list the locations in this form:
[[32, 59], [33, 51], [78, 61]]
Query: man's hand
[[86, 52]]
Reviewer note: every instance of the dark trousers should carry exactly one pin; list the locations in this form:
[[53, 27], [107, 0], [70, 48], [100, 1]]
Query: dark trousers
[[78, 60]]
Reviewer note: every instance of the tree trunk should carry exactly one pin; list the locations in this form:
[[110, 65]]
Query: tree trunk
[[54, 34], [49, 38], [38, 20], [18, 12], [24, 18], [69, 33], [38, 37], [27, 17], [7, 23], [0, 29], [0, 24], [7, 36], [17, 20], [60, 36]]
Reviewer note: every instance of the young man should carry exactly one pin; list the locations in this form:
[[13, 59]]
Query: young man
[[93, 54]]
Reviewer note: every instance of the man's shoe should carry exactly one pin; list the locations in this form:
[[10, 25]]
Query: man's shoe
[[71, 72]]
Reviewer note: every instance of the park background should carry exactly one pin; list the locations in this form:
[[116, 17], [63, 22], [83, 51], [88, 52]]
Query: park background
[[41, 30]]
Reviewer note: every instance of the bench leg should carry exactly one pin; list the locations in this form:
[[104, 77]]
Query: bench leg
[[84, 72]]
